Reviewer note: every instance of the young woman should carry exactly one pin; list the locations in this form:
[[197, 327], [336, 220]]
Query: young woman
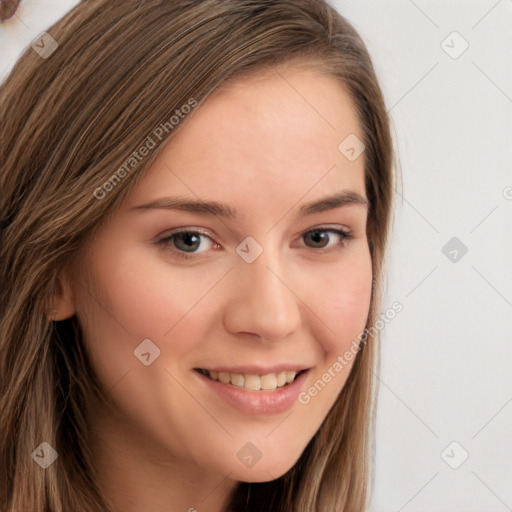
[[196, 198]]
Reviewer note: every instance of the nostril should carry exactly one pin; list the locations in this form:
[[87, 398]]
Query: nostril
[[8, 8]]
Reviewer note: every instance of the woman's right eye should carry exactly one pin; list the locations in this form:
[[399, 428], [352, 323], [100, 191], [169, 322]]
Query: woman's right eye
[[186, 243]]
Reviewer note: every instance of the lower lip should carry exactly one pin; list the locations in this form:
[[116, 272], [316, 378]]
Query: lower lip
[[276, 401]]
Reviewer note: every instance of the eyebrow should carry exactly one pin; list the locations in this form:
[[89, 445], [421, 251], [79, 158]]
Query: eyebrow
[[216, 209]]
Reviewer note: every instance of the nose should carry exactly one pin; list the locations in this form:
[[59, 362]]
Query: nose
[[262, 302]]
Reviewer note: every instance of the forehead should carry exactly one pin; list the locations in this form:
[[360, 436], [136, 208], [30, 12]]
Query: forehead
[[274, 134]]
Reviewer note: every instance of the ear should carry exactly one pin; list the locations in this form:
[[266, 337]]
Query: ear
[[62, 300]]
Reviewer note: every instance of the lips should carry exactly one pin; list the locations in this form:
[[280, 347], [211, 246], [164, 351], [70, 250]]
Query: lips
[[253, 381], [247, 392]]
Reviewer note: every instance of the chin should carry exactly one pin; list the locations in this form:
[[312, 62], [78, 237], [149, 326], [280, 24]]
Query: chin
[[264, 471]]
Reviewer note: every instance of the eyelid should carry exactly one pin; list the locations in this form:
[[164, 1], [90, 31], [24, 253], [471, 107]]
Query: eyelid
[[328, 227], [186, 229]]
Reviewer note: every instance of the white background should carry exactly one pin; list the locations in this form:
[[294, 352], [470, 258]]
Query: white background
[[447, 357], [446, 372]]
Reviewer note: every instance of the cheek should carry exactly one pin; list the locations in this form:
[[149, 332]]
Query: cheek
[[350, 305], [344, 305], [133, 301], [149, 300]]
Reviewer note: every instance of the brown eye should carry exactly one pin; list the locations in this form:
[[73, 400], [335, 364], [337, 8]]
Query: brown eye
[[320, 238], [187, 241]]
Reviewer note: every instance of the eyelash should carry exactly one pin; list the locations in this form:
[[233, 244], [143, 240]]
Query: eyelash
[[345, 236]]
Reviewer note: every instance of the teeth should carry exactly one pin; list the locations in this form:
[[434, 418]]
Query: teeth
[[269, 381], [237, 379], [290, 376], [224, 377], [281, 379], [253, 382]]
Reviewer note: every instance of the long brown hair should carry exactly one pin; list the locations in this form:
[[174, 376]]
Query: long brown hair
[[70, 120]]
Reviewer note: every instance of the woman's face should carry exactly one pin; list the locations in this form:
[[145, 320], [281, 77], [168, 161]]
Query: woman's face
[[245, 296]]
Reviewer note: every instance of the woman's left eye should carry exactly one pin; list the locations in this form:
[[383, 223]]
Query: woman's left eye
[[320, 237], [187, 243]]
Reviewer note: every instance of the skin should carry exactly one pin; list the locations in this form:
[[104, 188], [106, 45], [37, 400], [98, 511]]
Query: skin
[[265, 150]]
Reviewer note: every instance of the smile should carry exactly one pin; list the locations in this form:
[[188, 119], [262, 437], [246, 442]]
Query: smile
[[253, 382], [255, 390]]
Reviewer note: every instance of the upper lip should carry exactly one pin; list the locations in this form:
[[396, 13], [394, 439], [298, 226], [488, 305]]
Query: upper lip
[[256, 369]]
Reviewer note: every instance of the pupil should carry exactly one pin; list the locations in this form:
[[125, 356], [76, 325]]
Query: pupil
[[189, 239], [318, 237]]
